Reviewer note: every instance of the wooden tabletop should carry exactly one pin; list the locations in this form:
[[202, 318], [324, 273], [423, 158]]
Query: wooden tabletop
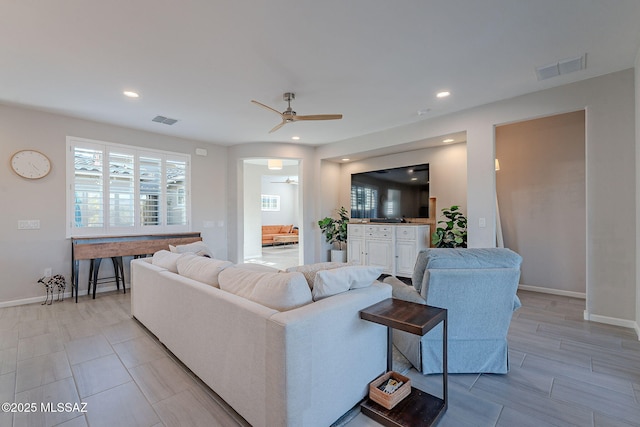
[[404, 316]]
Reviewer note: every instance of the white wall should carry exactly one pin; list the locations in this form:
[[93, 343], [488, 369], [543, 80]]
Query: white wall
[[637, 92], [288, 193], [24, 254], [611, 175], [252, 211], [327, 188]]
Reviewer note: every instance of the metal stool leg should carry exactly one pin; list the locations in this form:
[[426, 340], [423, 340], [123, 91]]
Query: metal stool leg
[[116, 271], [95, 275], [90, 276], [121, 265]]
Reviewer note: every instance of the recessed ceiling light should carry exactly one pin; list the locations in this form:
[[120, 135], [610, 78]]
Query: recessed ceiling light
[[448, 140], [295, 138], [346, 159], [131, 94], [443, 94]]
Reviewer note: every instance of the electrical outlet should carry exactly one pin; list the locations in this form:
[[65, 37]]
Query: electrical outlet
[[482, 222], [47, 272]]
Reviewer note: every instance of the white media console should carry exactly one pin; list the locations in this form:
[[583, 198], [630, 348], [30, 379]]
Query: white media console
[[394, 247]]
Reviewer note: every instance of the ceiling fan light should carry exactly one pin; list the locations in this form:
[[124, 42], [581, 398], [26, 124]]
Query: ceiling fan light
[[274, 164]]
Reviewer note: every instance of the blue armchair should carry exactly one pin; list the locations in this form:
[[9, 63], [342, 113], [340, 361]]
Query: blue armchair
[[478, 289]]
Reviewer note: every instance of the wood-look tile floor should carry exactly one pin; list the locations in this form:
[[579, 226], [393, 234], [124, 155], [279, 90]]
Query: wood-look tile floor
[[564, 371]]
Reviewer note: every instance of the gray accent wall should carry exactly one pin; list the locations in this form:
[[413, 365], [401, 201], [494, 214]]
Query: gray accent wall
[[541, 198]]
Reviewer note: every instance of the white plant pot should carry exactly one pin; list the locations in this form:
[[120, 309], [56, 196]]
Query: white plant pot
[[338, 255]]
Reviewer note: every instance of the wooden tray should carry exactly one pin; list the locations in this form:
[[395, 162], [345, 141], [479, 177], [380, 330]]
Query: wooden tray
[[388, 401]]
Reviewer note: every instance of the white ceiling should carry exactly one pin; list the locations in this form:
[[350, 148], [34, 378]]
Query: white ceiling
[[375, 61]]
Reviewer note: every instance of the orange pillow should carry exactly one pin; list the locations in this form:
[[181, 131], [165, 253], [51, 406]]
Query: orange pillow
[[286, 228]]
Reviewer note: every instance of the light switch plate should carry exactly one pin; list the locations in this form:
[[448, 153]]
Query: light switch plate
[[29, 224]]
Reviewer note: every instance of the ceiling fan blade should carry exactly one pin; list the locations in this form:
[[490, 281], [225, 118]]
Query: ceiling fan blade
[[278, 126], [318, 117], [267, 107]]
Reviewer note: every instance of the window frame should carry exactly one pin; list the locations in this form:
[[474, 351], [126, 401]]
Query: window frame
[[268, 198], [138, 228]]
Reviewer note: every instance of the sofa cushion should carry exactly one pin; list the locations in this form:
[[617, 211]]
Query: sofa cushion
[[198, 248], [270, 229], [402, 291], [279, 291], [310, 270], [257, 267], [202, 269], [338, 280], [166, 259]]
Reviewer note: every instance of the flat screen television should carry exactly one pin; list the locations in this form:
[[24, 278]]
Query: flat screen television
[[391, 195]]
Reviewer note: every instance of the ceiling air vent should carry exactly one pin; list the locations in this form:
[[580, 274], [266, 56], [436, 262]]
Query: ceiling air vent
[[565, 66], [165, 120]]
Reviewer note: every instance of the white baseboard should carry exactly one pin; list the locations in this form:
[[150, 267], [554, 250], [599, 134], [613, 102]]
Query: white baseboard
[[40, 299], [613, 321], [543, 290], [591, 317]]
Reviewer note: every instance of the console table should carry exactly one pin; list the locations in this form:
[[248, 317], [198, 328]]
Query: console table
[[419, 408], [95, 248]]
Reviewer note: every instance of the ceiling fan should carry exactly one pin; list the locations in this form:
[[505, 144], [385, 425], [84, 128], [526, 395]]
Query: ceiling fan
[[289, 115], [286, 181]]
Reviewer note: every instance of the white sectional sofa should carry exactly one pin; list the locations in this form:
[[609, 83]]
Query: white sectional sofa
[[306, 366]]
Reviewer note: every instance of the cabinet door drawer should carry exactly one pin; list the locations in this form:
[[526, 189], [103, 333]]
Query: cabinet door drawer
[[355, 230], [379, 231], [406, 233]]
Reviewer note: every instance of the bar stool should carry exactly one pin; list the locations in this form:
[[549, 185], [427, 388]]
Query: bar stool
[[94, 267]]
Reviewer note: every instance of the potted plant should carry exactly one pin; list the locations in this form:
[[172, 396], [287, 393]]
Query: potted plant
[[454, 234], [335, 231]]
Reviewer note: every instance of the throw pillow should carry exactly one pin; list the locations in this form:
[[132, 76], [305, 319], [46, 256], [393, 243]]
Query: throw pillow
[[279, 291], [198, 248], [400, 290], [310, 270], [338, 280], [201, 269], [166, 259]]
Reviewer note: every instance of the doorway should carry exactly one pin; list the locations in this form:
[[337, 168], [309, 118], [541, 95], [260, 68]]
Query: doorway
[[541, 192], [272, 216]]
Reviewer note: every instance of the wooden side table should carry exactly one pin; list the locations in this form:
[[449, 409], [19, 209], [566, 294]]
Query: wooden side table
[[419, 408]]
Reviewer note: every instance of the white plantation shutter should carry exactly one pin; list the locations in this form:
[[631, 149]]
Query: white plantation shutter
[[115, 189], [150, 169], [121, 189], [88, 195], [176, 178]]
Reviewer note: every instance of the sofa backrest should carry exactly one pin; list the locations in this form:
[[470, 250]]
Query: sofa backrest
[[457, 258], [277, 229]]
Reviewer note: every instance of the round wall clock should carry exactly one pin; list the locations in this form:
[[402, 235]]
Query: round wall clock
[[30, 164]]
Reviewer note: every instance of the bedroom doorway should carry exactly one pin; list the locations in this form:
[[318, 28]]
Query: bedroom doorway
[[272, 212]]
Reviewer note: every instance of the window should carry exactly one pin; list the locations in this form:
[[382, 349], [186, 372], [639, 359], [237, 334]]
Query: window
[[270, 202], [115, 189]]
